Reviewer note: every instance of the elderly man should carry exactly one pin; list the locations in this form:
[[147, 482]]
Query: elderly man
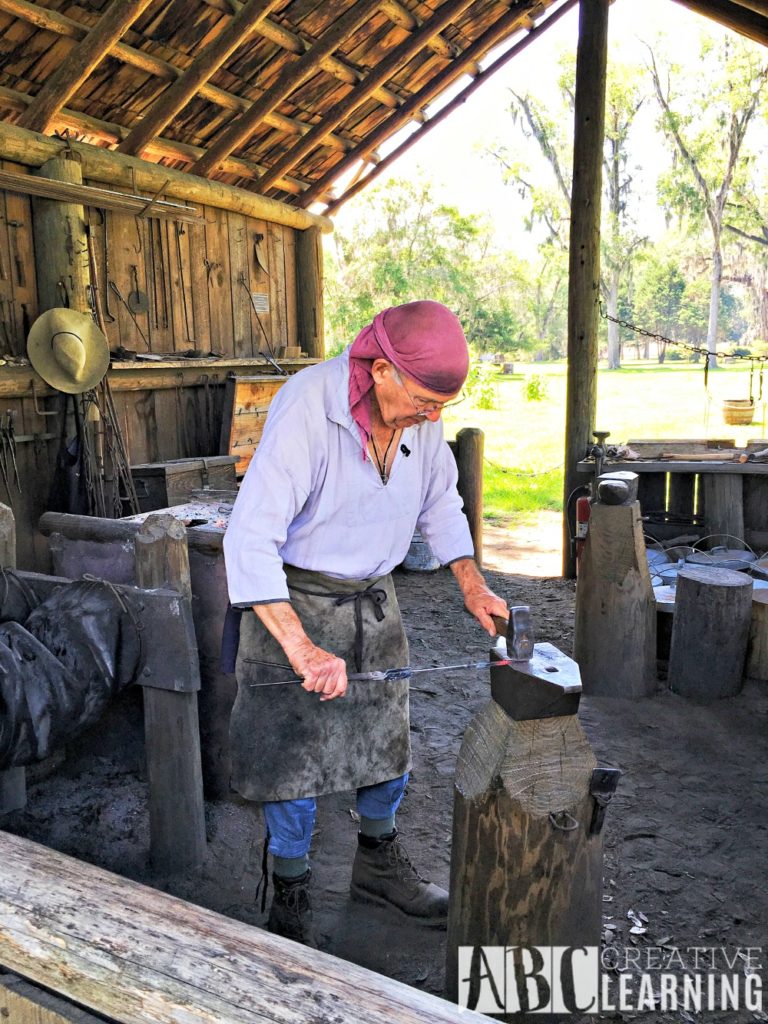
[[351, 461]]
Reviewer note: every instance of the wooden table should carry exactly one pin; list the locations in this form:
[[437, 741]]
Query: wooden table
[[717, 497]]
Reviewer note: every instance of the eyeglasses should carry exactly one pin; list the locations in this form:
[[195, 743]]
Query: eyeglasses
[[421, 407]]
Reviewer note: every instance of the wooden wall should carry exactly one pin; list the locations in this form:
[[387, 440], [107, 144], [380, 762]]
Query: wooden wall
[[197, 278]]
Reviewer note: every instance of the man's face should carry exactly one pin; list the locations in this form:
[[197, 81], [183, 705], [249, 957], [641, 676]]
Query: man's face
[[405, 403]]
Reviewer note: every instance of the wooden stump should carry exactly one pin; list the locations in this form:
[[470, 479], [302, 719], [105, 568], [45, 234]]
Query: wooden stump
[[171, 727], [516, 877], [757, 647], [469, 459], [710, 632], [615, 636]]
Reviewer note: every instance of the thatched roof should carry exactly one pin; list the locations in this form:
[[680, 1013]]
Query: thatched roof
[[278, 96]]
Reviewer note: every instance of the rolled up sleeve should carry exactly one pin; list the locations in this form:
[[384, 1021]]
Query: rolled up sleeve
[[441, 521]]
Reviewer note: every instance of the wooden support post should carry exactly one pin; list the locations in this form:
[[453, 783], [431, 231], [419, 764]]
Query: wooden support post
[[724, 504], [757, 648], [61, 251], [309, 291], [710, 632], [139, 956], [171, 728], [584, 260], [13, 781], [615, 635], [469, 459], [522, 872]]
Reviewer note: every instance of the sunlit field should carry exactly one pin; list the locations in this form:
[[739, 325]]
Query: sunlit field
[[524, 439]]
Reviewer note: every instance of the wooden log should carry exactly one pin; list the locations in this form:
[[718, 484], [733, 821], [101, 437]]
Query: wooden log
[[23, 1003], [724, 504], [99, 164], [13, 781], [584, 258], [757, 646], [81, 61], [61, 250], [309, 292], [171, 728], [615, 633], [139, 956], [516, 877], [469, 460], [713, 608]]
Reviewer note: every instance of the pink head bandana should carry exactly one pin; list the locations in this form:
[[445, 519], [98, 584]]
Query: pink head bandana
[[423, 340]]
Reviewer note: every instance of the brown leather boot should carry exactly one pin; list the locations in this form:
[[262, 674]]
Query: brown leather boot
[[291, 912], [383, 874]]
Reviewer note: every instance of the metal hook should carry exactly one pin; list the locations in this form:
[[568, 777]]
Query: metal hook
[[38, 410]]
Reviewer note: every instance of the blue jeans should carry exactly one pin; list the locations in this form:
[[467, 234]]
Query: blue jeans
[[290, 822]]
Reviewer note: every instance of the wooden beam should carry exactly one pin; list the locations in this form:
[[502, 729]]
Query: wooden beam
[[379, 74], [504, 27], [742, 19], [80, 62], [160, 149], [293, 43], [139, 956], [207, 62], [401, 16], [32, 149], [584, 255], [289, 79], [60, 270], [52, 21]]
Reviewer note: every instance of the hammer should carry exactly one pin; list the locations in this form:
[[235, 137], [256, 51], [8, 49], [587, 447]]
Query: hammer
[[518, 630]]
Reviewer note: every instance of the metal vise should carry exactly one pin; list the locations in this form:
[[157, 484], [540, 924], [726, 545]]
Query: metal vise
[[541, 682]]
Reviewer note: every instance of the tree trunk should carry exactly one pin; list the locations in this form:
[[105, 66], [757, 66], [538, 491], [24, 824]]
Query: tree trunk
[[614, 342], [714, 304]]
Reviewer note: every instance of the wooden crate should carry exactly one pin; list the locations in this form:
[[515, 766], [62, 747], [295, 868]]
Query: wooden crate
[[246, 403], [162, 484]]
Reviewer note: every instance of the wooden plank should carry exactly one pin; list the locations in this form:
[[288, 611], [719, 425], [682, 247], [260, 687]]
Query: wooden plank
[[140, 956], [171, 727], [198, 282], [246, 403], [724, 507], [755, 503], [309, 293], [158, 274], [126, 245], [219, 281], [182, 310], [24, 1003], [239, 270], [277, 284], [260, 257], [291, 310], [21, 264]]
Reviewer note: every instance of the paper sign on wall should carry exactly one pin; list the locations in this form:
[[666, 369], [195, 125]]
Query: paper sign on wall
[[260, 301]]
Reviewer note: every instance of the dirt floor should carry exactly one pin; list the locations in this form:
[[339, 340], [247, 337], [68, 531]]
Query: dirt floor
[[685, 838]]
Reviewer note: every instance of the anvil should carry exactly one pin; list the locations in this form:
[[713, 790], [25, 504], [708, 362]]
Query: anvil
[[546, 686]]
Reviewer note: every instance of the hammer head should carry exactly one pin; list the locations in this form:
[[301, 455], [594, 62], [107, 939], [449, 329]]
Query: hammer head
[[518, 631]]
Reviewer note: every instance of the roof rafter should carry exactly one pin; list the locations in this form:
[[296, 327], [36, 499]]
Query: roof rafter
[[294, 43], [60, 24], [361, 182], [288, 79], [82, 60], [741, 18], [207, 62], [444, 15], [159, 148], [474, 52]]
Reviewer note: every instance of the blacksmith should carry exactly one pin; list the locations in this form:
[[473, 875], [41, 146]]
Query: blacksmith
[[351, 462]]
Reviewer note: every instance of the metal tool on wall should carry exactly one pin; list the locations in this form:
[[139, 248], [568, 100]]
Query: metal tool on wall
[[179, 231], [137, 299], [121, 298]]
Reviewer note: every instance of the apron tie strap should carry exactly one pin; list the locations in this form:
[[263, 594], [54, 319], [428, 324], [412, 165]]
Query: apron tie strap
[[377, 597]]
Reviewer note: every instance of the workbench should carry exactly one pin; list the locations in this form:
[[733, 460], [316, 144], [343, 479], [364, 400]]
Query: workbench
[[707, 497]]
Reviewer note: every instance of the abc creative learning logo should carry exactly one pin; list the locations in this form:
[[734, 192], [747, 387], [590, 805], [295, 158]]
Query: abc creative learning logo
[[588, 980]]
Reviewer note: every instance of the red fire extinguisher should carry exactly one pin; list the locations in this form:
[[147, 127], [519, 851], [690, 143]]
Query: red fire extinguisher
[[583, 510]]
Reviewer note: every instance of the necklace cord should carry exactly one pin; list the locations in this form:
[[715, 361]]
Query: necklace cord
[[382, 462]]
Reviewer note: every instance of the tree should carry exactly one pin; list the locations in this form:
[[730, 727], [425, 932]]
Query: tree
[[658, 296], [706, 118], [550, 202]]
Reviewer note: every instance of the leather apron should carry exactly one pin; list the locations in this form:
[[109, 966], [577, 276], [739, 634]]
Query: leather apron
[[286, 743]]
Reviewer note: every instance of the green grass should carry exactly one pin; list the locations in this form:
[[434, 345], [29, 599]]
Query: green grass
[[524, 440]]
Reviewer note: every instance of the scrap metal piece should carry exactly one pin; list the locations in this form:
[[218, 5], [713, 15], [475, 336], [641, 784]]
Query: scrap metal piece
[[602, 786], [546, 686]]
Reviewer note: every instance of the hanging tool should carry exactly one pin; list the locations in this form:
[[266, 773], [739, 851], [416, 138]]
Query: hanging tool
[[179, 232], [271, 357], [137, 299], [4, 457], [107, 313], [121, 299], [153, 267], [21, 278], [11, 433]]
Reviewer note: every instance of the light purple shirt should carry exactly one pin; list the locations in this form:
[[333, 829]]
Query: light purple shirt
[[309, 499]]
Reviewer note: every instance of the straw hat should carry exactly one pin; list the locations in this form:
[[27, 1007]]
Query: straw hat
[[68, 350]]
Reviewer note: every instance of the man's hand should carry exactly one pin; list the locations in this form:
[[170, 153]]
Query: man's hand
[[479, 599], [322, 672]]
